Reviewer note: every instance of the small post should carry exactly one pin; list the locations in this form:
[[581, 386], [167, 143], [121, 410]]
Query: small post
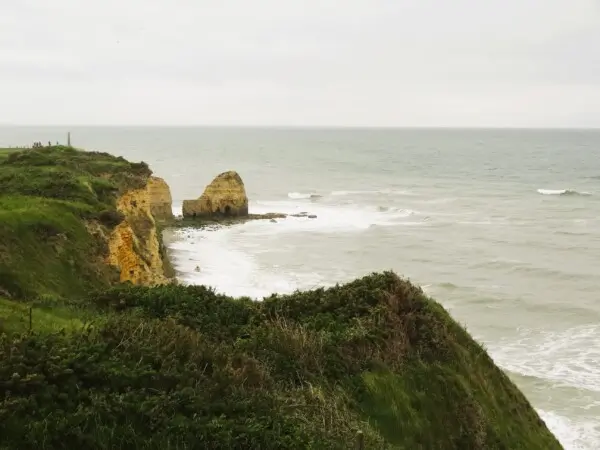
[[68, 139], [30, 318], [360, 440]]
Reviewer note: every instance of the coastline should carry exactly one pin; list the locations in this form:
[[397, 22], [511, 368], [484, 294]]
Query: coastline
[[227, 275], [304, 240], [122, 216]]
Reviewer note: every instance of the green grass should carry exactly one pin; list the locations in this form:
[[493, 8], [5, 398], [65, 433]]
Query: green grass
[[4, 152], [184, 367], [47, 197], [15, 317], [175, 367], [45, 248], [69, 174]]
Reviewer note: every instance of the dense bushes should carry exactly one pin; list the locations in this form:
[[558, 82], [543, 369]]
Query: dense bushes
[[110, 217], [185, 367], [151, 384]]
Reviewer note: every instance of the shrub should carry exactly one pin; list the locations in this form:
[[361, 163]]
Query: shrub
[[110, 218]]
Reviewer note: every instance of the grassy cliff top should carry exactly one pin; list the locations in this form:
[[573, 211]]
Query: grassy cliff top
[[65, 173], [47, 198], [83, 365], [183, 367]]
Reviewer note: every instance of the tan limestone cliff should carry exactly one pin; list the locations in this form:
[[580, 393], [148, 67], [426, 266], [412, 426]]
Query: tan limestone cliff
[[161, 202], [135, 245], [225, 196]]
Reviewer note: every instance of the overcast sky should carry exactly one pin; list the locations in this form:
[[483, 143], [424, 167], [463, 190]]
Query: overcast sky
[[283, 62]]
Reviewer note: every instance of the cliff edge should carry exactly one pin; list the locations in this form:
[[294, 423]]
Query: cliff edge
[[89, 362], [184, 367], [71, 221]]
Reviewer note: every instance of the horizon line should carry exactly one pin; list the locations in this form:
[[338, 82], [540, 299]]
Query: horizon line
[[321, 127]]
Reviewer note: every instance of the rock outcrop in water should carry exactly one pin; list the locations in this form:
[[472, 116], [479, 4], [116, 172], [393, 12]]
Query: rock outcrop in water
[[225, 201], [225, 196]]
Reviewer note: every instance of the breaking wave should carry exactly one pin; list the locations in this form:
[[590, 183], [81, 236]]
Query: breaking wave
[[367, 192], [302, 195], [561, 192]]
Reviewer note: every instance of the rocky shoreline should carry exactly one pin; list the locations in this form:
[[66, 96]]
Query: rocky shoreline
[[223, 221]]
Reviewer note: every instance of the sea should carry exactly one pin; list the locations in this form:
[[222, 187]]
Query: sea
[[501, 226]]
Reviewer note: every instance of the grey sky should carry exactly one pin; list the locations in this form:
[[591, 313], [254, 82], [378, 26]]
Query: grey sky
[[321, 62]]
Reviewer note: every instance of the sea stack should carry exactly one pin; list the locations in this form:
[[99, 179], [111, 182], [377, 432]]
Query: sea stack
[[225, 196]]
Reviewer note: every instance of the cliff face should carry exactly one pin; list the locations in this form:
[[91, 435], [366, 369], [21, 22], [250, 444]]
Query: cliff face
[[225, 196], [161, 202], [69, 218], [134, 245]]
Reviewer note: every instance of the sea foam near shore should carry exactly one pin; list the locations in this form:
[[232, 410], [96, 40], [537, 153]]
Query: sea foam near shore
[[229, 259]]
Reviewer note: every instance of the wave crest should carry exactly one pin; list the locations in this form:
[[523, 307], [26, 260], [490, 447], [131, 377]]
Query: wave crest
[[561, 192], [302, 195], [370, 192]]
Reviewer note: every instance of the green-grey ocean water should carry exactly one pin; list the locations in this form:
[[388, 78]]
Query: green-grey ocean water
[[501, 226]]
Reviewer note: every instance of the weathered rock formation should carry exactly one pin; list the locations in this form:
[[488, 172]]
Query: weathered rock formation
[[134, 245], [225, 196], [161, 203]]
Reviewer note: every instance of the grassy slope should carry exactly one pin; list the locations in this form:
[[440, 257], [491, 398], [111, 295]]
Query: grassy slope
[[4, 152], [183, 367], [46, 197], [15, 317]]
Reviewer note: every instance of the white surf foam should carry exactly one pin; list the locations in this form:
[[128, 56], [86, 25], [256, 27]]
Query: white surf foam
[[230, 262], [226, 265], [370, 192], [562, 192], [552, 191], [583, 435], [330, 218], [302, 195], [567, 358]]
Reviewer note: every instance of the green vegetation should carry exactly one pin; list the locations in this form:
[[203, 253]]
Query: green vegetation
[[19, 317], [48, 199], [4, 152], [87, 363], [68, 174], [184, 367]]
